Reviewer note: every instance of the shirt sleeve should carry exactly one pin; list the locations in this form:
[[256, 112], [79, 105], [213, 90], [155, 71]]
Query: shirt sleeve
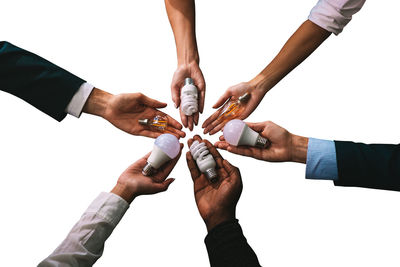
[[227, 246], [321, 160], [85, 242], [333, 15], [77, 102]]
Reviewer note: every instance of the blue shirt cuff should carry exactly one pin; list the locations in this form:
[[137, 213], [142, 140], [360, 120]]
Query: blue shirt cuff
[[321, 160]]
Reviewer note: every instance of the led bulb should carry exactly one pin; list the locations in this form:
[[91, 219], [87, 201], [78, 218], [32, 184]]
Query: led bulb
[[204, 160], [166, 147], [237, 133], [189, 97]]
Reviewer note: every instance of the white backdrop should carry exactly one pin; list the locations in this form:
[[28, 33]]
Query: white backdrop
[[347, 90]]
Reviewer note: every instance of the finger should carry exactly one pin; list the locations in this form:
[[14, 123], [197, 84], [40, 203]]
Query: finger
[[242, 150], [174, 123], [197, 138], [210, 119], [151, 102], [196, 118], [258, 126], [202, 99], [190, 122], [214, 152], [161, 187], [183, 118], [222, 99], [175, 92], [222, 138], [194, 171], [141, 162], [230, 169], [217, 128], [221, 145], [176, 132], [150, 134]]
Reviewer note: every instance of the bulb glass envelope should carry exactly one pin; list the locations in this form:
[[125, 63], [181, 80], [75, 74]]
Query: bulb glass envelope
[[166, 147], [237, 133]]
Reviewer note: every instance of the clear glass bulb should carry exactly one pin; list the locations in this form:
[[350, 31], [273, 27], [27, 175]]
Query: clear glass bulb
[[158, 123], [166, 147], [233, 108], [236, 133]]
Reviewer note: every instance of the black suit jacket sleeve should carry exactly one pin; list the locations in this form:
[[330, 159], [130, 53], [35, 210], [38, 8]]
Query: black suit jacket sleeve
[[227, 247], [36, 80], [372, 166]]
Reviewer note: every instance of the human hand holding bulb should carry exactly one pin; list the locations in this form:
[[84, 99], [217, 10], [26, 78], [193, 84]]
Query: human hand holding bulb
[[125, 110], [216, 201], [184, 71], [282, 145], [133, 183]]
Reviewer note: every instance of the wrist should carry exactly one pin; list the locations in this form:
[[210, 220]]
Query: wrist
[[261, 83], [124, 192], [188, 57], [212, 221], [299, 146], [97, 102]]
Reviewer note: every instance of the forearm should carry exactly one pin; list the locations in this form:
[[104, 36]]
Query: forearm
[[181, 15], [227, 246], [300, 45], [97, 102], [84, 244], [298, 148]]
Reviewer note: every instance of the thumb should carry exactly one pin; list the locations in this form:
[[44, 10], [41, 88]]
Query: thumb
[[256, 126], [150, 102], [175, 92], [222, 99]]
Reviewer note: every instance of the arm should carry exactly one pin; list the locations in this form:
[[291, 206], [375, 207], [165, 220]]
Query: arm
[[39, 82], [326, 17], [216, 202], [181, 15], [85, 242]]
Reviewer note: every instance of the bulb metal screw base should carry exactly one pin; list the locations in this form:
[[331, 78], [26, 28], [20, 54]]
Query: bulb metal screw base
[[261, 142], [189, 81], [148, 169], [211, 175]]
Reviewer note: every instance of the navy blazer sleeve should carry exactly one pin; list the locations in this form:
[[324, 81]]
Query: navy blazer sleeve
[[36, 80], [227, 246], [372, 166]]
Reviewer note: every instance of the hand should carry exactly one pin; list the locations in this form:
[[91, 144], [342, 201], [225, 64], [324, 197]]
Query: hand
[[283, 146], [125, 110], [216, 201], [133, 183], [212, 125], [191, 70]]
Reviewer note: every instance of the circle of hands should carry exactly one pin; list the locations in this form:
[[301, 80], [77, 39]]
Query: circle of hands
[[216, 201]]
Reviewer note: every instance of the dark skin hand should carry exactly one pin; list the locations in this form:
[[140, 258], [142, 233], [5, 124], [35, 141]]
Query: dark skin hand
[[216, 201]]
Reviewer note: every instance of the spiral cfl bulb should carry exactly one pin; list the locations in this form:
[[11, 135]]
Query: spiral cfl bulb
[[166, 147], [205, 161], [237, 133], [189, 97]]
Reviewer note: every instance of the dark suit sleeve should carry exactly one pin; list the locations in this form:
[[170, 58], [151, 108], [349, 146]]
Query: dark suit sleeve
[[36, 80], [227, 246], [371, 166]]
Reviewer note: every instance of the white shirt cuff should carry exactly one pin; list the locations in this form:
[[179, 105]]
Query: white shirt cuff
[[109, 206], [77, 102]]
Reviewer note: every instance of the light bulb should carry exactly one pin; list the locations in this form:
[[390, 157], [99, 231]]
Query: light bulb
[[166, 147], [189, 97], [158, 123], [233, 108], [237, 133], [204, 160]]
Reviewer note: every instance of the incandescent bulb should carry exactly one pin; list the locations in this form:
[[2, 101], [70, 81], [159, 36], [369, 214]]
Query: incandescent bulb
[[159, 123], [237, 133], [204, 160], [189, 97], [166, 147]]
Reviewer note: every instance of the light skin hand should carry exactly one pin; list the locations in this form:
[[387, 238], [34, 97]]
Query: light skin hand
[[125, 110], [212, 125], [283, 146], [133, 183], [191, 70], [299, 46], [217, 201]]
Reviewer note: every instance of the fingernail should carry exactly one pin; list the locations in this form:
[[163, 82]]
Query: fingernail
[[175, 105]]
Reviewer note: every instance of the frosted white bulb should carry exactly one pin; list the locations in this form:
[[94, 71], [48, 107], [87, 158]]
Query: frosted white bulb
[[166, 147], [237, 133], [204, 160], [189, 97]]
